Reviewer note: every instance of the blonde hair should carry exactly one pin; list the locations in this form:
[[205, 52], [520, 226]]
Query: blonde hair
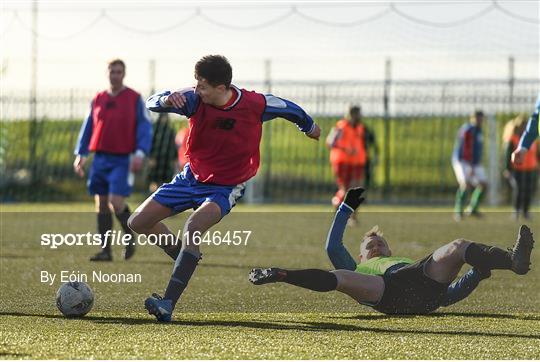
[[374, 231], [512, 125]]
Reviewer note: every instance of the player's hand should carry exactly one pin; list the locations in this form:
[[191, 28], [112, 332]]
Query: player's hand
[[136, 163], [518, 155], [506, 174], [176, 100], [78, 165], [315, 132], [354, 198]]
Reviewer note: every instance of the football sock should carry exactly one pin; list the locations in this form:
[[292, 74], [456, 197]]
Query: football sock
[[123, 219], [183, 270], [464, 286], [313, 279], [487, 257], [476, 198], [170, 251], [104, 224], [461, 195]]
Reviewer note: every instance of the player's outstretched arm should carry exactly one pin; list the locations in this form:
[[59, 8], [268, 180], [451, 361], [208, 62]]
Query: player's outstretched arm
[[337, 253], [464, 286], [279, 107], [183, 102]]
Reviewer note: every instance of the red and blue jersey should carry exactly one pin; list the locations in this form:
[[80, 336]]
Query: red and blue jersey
[[223, 143], [469, 144], [116, 124], [533, 127]]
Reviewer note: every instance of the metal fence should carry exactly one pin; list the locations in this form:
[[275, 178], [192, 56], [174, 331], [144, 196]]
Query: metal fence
[[415, 123]]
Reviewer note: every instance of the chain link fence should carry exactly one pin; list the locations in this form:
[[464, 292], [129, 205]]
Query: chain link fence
[[415, 123]]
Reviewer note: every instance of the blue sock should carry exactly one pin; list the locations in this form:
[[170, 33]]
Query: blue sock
[[183, 270]]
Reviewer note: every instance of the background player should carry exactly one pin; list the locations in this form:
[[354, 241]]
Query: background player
[[467, 164], [116, 127], [522, 177], [348, 154], [163, 155], [396, 285], [531, 133], [223, 151]]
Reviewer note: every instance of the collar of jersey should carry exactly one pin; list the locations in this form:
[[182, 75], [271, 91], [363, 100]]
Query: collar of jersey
[[238, 96]]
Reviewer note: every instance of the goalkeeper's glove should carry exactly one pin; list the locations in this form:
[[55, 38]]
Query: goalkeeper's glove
[[354, 198]]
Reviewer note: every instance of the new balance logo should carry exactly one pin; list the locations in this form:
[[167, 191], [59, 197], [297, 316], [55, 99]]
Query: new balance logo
[[225, 123]]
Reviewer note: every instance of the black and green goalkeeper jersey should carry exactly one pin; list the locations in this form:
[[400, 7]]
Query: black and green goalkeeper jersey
[[379, 264]]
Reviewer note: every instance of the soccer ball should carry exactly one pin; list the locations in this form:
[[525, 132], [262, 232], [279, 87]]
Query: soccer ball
[[74, 299]]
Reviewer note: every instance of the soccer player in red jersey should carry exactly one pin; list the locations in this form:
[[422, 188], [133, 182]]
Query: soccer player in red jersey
[[225, 129], [119, 132]]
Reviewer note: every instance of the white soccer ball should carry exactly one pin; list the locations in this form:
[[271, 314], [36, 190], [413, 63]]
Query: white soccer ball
[[74, 299]]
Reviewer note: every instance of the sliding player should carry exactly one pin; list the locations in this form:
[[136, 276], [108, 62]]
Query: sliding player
[[119, 132], [223, 151], [397, 285]]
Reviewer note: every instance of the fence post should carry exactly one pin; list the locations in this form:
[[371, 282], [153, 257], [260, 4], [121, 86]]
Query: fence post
[[32, 130], [493, 173], [257, 188], [386, 138], [152, 75], [511, 82]]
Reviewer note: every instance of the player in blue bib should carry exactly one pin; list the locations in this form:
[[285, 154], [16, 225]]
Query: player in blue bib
[[397, 285]]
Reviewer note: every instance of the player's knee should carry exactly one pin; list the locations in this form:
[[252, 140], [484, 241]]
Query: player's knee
[[136, 223], [459, 246]]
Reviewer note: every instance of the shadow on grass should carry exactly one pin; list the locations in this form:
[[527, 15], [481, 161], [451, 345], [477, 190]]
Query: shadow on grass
[[12, 256], [456, 314], [286, 325], [170, 262], [13, 354]]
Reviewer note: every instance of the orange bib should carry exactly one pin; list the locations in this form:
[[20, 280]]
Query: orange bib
[[350, 145], [530, 162]]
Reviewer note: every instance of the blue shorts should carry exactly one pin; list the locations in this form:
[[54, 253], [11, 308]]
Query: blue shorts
[[185, 192], [110, 174]]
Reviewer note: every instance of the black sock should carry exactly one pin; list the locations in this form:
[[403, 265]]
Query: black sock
[[183, 270], [313, 279], [487, 257], [123, 219], [104, 223]]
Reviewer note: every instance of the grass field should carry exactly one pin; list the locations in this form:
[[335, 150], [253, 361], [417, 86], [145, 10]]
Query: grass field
[[222, 315]]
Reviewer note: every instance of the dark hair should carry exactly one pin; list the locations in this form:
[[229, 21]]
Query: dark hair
[[117, 62], [215, 69], [355, 109]]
